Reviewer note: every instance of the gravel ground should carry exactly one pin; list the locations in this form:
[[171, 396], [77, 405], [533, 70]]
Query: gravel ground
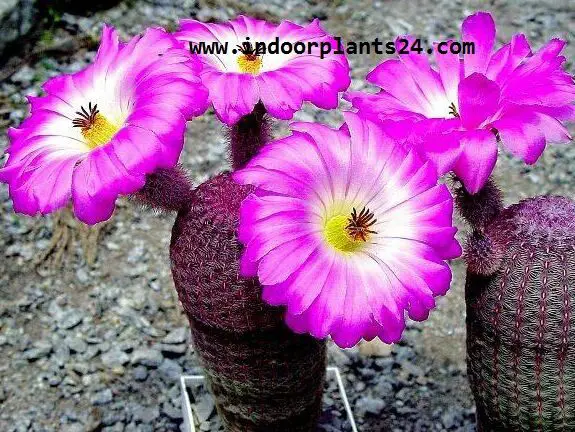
[[101, 347]]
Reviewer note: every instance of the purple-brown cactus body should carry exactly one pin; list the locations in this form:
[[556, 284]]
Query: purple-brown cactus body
[[520, 296], [264, 377]]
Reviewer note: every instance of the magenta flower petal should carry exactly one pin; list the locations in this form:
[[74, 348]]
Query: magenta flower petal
[[281, 94], [163, 124], [354, 323], [522, 134], [450, 70], [348, 229], [313, 275], [540, 80], [394, 77], [435, 139], [477, 159], [282, 82], [552, 129], [478, 28], [420, 69], [96, 184], [96, 133], [509, 96], [507, 58], [382, 106], [478, 100], [327, 309]]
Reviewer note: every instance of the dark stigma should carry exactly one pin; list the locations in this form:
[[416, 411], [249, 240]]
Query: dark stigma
[[87, 118], [358, 225]]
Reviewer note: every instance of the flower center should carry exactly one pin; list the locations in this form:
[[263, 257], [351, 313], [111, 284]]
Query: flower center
[[250, 64], [250, 60], [96, 129], [349, 233]]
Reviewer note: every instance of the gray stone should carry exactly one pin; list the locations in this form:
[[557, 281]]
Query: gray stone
[[22, 424], [204, 408], [81, 368], [136, 270], [105, 346], [131, 427], [91, 352], [176, 336], [369, 405], [172, 350], [171, 411], [61, 355], [72, 427], [117, 427], [92, 380], [145, 415], [76, 344], [452, 417], [147, 357], [140, 373], [338, 356], [54, 380], [82, 275], [113, 417], [170, 370], [70, 319], [40, 349], [102, 397], [115, 358]]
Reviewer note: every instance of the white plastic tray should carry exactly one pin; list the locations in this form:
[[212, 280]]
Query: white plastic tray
[[189, 422]]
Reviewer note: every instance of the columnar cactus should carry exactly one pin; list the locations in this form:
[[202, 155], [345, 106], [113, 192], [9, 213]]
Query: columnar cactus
[[521, 311], [263, 376]]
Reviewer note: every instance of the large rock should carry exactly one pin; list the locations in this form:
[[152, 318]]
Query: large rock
[[20, 17], [17, 18], [79, 7]]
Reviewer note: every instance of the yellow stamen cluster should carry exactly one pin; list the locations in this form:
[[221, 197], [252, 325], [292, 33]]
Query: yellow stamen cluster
[[99, 132], [349, 233], [337, 235], [250, 63]]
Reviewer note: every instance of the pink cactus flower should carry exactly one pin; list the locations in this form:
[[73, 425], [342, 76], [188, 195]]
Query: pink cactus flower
[[348, 229], [459, 110], [243, 76], [98, 132]]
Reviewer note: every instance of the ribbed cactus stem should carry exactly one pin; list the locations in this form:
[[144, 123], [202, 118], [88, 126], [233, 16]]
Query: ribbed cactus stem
[[520, 317], [264, 377]]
